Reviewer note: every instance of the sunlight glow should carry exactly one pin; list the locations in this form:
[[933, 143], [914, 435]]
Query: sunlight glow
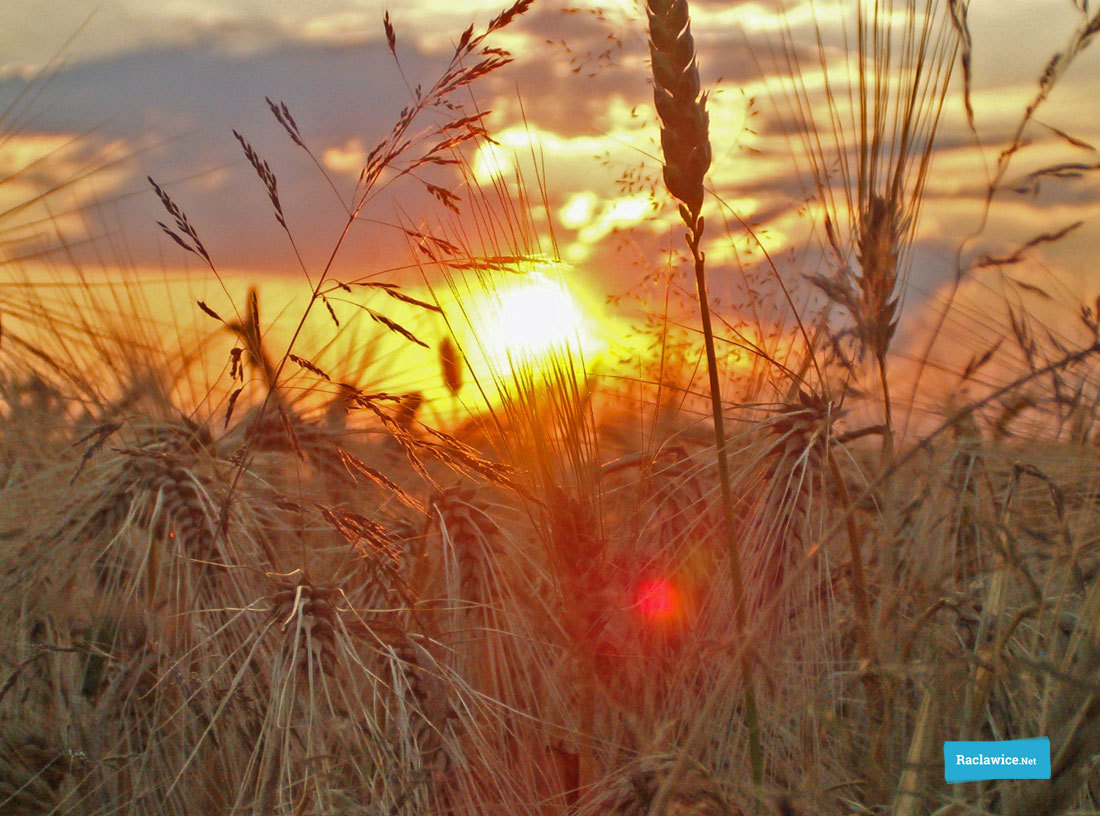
[[528, 320], [629, 209], [492, 162], [349, 157], [616, 214], [578, 210]]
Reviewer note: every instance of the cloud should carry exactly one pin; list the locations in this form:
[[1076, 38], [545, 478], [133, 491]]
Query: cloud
[[576, 106], [189, 100]]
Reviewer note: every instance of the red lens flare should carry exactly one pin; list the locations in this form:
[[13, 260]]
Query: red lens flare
[[658, 600]]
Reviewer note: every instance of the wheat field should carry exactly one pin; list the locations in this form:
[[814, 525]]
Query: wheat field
[[248, 569]]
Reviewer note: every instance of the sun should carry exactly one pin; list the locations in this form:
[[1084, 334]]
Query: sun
[[529, 320]]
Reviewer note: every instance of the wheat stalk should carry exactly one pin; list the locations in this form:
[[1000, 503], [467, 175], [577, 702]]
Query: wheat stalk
[[685, 144], [904, 54]]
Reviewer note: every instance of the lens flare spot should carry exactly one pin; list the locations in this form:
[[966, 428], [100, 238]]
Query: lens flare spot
[[658, 600]]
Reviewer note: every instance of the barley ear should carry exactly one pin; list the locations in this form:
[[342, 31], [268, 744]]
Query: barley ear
[[880, 234]]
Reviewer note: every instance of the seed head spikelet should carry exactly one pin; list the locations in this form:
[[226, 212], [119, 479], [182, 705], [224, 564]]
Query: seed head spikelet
[[451, 365], [879, 244], [679, 102], [632, 789]]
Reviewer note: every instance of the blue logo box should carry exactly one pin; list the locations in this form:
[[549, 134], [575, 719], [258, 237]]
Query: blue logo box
[[997, 759]]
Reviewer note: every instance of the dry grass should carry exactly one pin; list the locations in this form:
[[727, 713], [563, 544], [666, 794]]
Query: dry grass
[[293, 594]]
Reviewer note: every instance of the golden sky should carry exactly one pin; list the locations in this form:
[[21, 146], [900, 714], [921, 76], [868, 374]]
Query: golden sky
[[156, 89]]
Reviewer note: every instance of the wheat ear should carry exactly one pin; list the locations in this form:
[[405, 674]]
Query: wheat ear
[[685, 143]]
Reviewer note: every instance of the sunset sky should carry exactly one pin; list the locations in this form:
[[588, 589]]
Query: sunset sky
[[156, 89]]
